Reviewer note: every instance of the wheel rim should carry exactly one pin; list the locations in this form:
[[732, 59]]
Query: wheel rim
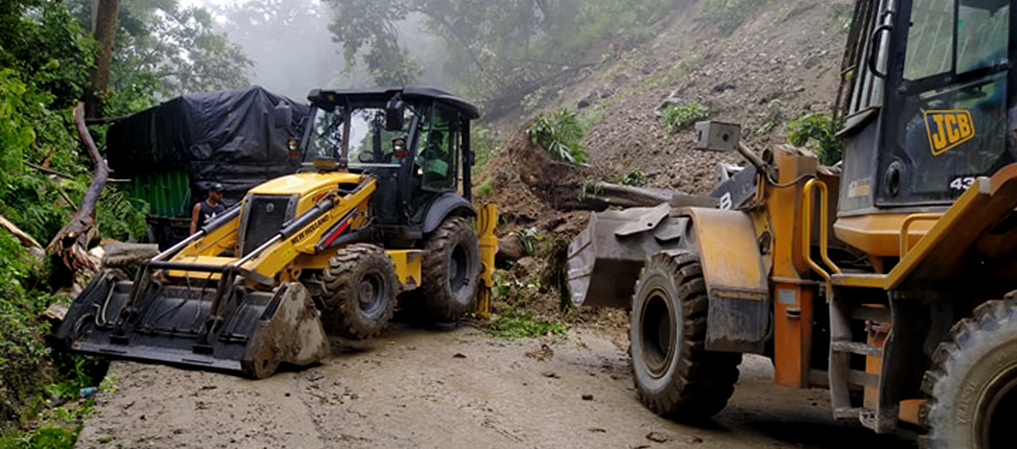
[[458, 276], [371, 294], [657, 327], [996, 418]]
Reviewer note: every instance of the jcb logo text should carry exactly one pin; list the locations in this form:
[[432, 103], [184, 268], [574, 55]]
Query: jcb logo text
[[948, 129]]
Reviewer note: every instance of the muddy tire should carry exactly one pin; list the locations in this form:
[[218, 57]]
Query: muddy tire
[[674, 375], [972, 385], [358, 292], [450, 271]]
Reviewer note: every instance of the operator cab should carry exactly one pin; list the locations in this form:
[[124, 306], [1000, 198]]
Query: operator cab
[[415, 141], [925, 101]]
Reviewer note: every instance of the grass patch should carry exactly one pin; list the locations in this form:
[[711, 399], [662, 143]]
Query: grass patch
[[676, 118], [683, 69], [517, 324]]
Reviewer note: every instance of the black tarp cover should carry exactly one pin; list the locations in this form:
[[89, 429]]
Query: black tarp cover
[[230, 137]]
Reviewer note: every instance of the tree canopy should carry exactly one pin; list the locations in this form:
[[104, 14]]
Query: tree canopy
[[490, 47]]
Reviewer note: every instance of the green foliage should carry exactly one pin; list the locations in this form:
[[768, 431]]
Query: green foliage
[[728, 15], [634, 177], [676, 118], [485, 146], [489, 48], [530, 238], [589, 188], [485, 190], [786, 11], [817, 132], [843, 15], [554, 274], [561, 134], [162, 50], [120, 216], [46, 437], [516, 324]]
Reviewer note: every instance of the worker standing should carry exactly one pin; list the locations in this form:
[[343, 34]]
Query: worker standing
[[207, 210]]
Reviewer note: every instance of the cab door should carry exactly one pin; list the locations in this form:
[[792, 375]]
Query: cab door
[[948, 96]]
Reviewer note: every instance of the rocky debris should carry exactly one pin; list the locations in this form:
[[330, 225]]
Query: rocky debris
[[510, 248]]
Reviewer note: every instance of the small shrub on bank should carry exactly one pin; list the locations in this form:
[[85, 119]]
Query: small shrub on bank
[[676, 118], [561, 134]]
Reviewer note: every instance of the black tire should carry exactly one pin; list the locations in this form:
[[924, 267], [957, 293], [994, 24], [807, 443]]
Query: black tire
[[358, 292], [450, 271], [674, 374], [972, 385]]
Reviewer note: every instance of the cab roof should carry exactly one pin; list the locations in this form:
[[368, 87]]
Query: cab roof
[[379, 97]]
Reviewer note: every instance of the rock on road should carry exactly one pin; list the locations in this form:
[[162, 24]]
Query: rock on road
[[416, 388]]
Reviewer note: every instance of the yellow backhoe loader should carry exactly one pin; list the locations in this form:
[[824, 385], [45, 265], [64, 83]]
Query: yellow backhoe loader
[[888, 278], [376, 214]]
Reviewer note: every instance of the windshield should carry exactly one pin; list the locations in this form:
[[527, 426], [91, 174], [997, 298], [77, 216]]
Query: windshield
[[369, 143]]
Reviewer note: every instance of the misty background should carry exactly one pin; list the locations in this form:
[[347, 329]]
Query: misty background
[[292, 50]]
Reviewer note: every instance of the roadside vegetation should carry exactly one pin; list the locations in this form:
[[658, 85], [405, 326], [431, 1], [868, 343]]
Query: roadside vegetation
[[46, 59]]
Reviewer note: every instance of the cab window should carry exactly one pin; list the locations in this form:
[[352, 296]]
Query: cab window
[[439, 149]]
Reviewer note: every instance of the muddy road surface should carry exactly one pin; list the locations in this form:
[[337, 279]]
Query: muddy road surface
[[452, 388]]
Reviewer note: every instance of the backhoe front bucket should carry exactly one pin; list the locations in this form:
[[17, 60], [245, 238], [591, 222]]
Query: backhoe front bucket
[[251, 332], [605, 259]]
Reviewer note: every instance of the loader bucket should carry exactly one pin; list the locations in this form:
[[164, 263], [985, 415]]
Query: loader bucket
[[254, 333], [605, 259]]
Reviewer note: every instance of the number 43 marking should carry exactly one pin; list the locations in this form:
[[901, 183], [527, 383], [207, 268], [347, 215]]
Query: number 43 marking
[[962, 183]]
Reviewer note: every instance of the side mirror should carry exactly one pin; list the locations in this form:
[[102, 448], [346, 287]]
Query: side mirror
[[395, 110], [282, 116], [718, 136]]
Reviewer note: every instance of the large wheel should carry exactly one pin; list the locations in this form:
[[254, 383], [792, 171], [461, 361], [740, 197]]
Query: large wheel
[[674, 374], [450, 271], [972, 386], [359, 291]]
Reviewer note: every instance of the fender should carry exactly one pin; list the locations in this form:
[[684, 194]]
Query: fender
[[736, 279], [443, 206]]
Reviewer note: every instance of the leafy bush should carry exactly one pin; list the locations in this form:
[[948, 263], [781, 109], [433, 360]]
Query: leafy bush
[[561, 134], [634, 177], [530, 238], [120, 216], [676, 118], [817, 132]]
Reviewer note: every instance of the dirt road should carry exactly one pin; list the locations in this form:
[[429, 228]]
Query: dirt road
[[452, 388]]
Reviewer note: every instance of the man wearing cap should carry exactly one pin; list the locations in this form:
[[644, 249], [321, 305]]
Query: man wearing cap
[[207, 210]]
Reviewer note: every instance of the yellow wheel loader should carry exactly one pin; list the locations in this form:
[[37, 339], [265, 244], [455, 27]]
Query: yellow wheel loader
[[888, 279], [375, 214]]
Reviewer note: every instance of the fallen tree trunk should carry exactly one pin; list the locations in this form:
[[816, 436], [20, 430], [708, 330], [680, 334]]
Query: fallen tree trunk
[[26, 240], [123, 255], [70, 245], [602, 195]]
